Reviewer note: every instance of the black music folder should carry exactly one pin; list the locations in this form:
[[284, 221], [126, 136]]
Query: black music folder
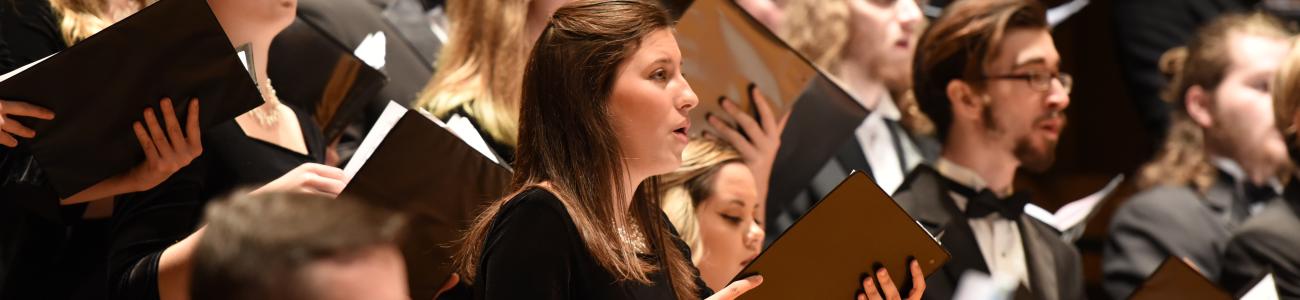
[[1174, 279], [100, 86], [827, 251], [429, 173], [319, 74]]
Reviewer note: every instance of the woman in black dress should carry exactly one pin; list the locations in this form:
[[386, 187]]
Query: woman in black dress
[[604, 111], [273, 146]]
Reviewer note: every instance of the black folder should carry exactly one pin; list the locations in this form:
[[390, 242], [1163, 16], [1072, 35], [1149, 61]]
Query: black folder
[[725, 49], [827, 251], [99, 87], [1174, 279], [316, 72], [440, 181]]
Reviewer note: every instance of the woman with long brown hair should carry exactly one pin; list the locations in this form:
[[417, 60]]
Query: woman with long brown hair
[[603, 112]]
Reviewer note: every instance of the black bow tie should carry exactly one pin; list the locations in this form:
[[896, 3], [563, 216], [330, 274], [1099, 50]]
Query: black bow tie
[[1259, 193], [986, 203]]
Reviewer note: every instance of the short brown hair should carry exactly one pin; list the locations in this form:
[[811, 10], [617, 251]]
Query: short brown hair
[[958, 44], [258, 246]]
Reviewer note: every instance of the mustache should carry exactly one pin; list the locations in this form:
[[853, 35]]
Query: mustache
[[1053, 115]]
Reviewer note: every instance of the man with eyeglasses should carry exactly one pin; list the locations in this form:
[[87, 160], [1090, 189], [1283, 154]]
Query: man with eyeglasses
[[987, 73]]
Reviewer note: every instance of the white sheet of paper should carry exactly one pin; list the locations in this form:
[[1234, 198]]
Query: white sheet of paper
[[976, 285], [6, 76], [463, 128], [373, 50], [1265, 290], [1075, 212], [392, 113]]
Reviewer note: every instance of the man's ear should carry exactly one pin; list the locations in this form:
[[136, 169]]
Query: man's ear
[[1198, 103], [965, 103]]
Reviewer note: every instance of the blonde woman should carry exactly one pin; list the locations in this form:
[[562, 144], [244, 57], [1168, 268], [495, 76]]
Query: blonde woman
[[713, 202], [481, 67]]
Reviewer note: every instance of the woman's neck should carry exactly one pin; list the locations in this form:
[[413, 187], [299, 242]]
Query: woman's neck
[[866, 88]]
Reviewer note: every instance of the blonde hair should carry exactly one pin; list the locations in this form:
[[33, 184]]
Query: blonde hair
[[1286, 91], [682, 190], [481, 69], [820, 30], [1204, 62], [82, 18]]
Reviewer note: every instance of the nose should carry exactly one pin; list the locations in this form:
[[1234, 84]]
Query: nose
[[754, 236], [1059, 98], [909, 15], [687, 99]]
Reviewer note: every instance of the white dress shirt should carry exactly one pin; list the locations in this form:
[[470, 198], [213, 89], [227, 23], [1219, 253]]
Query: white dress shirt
[[888, 166], [998, 238]]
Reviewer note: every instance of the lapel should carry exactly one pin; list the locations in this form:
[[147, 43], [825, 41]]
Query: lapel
[[851, 158], [1040, 260], [1221, 197], [932, 205]]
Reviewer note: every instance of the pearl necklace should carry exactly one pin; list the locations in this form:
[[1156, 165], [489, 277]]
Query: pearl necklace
[[268, 114]]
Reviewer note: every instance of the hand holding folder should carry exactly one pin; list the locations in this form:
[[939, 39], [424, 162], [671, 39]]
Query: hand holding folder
[[838, 241], [172, 49]]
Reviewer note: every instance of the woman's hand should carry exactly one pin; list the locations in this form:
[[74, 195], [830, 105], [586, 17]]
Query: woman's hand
[[10, 127], [761, 138], [737, 288], [887, 285], [165, 150], [308, 178]]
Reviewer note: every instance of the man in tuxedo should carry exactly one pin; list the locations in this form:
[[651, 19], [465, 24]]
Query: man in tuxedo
[[987, 74], [1219, 165], [872, 62]]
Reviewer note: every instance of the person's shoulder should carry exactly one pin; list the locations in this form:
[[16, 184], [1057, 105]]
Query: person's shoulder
[[1276, 223], [537, 209], [1163, 201]]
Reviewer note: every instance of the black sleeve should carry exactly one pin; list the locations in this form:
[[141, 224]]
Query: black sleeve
[[28, 32], [145, 224], [530, 251]]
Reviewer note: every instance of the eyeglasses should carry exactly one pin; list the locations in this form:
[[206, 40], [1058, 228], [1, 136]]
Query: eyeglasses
[[1040, 81]]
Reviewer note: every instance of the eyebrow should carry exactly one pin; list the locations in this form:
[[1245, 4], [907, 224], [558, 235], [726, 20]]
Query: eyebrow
[[1033, 60]]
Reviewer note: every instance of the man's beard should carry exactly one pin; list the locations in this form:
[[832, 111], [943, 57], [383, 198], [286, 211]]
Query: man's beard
[[1030, 158]]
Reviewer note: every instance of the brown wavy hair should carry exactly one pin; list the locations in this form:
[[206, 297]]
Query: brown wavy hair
[[566, 139], [1204, 62]]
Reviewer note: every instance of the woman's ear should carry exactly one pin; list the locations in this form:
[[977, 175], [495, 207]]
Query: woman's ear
[[1198, 103], [965, 104]]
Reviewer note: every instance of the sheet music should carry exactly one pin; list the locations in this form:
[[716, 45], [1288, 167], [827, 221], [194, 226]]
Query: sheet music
[[1075, 212], [1266, 289], [461, 127], [6, 76], [387, 120]]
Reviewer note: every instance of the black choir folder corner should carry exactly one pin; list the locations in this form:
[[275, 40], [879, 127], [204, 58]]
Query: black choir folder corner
[[1174, 279], [434, 177], [827, 251], [98, 87], [316, 72]]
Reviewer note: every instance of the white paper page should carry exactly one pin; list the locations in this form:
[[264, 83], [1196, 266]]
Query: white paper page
[[392, 113], [6, 76], [976, 285], [1075, 212], [464, 129], [1265, 290]]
